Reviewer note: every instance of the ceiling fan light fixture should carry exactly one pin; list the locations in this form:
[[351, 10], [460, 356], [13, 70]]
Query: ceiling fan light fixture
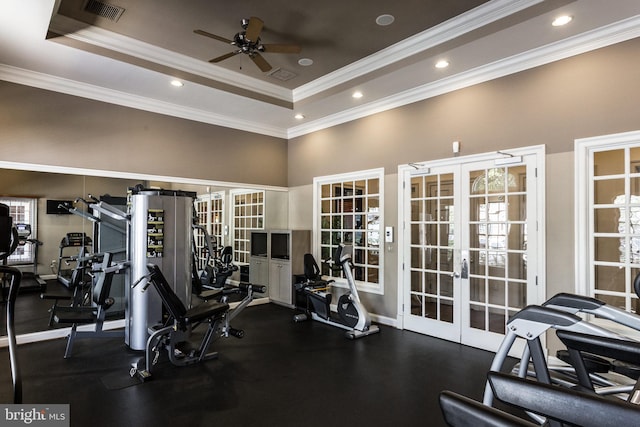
[[385, 19]]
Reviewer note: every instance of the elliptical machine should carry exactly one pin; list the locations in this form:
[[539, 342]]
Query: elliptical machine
[[9, 240], [351, 314]]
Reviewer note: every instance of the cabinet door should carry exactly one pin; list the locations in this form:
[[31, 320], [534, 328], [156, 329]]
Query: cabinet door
[[286, 289], [280, 281], [259, 271], [275, 269]]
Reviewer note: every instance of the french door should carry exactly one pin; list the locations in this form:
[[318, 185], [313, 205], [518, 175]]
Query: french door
[[471, 246]]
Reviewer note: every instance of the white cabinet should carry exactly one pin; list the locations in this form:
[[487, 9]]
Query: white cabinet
[[276, 256]]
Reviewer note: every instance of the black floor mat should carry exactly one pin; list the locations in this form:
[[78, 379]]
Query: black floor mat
[[119, 380]]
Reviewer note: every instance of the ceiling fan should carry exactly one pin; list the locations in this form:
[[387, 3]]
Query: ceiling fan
[[248, 42]]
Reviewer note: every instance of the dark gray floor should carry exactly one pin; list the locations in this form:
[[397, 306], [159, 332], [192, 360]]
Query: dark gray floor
[[33, 314], [281, 374]]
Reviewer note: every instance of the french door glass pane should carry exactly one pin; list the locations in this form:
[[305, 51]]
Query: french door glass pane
[[432, 217], [497, 245]]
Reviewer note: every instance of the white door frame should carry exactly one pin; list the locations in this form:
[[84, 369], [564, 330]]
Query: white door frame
[[538, 151]]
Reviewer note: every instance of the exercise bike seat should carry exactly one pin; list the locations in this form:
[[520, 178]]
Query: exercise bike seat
[[312, 273]]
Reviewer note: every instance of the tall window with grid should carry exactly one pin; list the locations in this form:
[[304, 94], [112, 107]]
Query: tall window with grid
[[350, 211], [615, 221], [23, 211], [209, 210], [248, 214]]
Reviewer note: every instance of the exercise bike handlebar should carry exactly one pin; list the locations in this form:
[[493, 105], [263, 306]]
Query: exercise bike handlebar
[[333, 265]]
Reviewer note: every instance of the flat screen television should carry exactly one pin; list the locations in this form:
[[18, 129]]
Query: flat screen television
[[280, 245], [259, 243], [53, 207]]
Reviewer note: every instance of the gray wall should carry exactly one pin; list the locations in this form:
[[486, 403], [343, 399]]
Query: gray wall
[[38, 126], [591, 94]]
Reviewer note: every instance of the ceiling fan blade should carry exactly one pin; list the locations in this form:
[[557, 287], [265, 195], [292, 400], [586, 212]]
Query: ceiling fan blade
[[225, 56], [260, 62], [254, 28], [213, 36], [281, 48]]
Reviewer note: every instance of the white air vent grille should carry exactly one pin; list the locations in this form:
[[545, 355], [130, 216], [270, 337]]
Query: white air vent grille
[[104, 10], [282, 74]]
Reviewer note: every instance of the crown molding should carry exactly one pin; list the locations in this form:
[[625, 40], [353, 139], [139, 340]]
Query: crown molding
[[444, 32], [451, 29], [85, 90], [605, 36], [96, 36]]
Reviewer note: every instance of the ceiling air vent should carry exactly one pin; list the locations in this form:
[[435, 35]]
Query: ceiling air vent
[[104, 10], [282, 74]]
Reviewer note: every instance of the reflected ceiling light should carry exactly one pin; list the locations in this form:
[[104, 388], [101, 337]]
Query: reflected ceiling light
[[177, 83], [562, 20], [305, 62], [299, 116], [442, 63], [384, 20], [357, 94]]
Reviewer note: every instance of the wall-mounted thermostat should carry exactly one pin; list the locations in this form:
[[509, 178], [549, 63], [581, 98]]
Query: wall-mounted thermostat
[[388, 234]]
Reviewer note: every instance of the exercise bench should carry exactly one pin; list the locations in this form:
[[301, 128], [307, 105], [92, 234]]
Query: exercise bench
[[178, 326], [94, 314]]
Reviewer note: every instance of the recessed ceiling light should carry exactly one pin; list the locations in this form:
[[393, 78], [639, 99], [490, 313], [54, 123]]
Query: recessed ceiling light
[[357, 95], [305, 62], [299, 116], [384, 20], [177, 83], [562, 20], [442, 64]]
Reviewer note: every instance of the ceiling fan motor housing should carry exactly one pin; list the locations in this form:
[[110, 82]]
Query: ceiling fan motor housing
[[246, 45]]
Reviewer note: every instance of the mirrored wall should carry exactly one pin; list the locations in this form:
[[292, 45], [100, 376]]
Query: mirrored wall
[[50, 227]]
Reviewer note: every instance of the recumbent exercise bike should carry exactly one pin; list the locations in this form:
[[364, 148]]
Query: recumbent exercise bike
[[351, 314]]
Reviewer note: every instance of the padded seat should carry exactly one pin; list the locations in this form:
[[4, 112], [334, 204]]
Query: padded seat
[[205, 311], [74, 315]]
